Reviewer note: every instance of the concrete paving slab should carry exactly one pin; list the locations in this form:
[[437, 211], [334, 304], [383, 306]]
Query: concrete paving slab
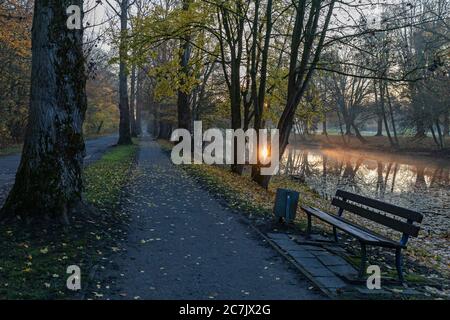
[[346, 271], [312, 248], [332, 260], [299, 253], [278, 236], [286, 245], [314, 267], [331, 282]]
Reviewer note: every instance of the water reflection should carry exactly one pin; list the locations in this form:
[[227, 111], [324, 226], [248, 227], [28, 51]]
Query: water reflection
[[421, 184]]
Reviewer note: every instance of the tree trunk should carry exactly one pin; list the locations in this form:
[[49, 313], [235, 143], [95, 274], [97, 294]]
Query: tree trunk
[[133, 102], [420, 128], [391, 113], [139, 102], [358, 133], [300, 71], [236, 124], [341, 129], [234, 42], [124, 125], [382, 109], [184, 97], [165, 130], [155, 109], [379, 114], [379, 125], [439, 131], [99, 127], [346, 116], [260, 96], [49, 178], [348, 126], [446, 127], [419, 117], [324, 126], [236, 119]]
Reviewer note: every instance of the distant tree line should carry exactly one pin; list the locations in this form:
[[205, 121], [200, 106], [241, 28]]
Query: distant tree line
[[295, 64]]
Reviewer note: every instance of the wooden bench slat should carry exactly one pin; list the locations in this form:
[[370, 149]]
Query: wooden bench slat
[[394, 224], [390, 208], [358, 232]]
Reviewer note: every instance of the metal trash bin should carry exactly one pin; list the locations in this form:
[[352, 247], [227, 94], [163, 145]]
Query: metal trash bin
[[286, 202]]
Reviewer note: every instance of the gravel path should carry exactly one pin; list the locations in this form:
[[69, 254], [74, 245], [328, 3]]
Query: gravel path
[[184, 244]]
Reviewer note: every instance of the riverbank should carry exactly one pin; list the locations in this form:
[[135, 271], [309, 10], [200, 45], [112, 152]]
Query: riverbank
[[407, 145]]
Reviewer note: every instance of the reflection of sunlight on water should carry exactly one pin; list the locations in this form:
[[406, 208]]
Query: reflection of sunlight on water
[[420, 185]]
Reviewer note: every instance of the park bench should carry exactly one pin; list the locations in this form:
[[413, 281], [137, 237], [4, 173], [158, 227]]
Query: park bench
[[388, 215]]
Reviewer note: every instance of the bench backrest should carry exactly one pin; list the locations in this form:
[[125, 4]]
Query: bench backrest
[[373, 210]]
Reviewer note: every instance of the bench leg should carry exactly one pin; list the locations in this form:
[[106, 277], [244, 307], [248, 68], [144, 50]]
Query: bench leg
[[335, 234], [362, 268], [309, 229], [398, 263]]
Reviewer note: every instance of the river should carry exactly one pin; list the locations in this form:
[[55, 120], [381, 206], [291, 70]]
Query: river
[[416, 182]]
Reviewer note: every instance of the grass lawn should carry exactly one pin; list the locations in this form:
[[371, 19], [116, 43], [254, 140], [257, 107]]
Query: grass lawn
[[33, 261]]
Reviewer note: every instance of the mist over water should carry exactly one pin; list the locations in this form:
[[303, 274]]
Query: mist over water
[[418, 183]]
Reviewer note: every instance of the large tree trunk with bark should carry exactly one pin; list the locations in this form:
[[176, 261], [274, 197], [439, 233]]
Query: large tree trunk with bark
[[49, 179], [124, 125]]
